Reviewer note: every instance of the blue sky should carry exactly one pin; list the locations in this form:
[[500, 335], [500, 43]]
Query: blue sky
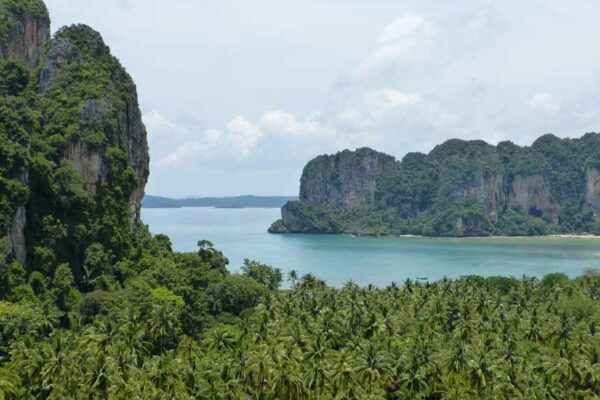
[[238, 95]]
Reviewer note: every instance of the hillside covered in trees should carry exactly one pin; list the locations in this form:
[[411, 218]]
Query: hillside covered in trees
[[461, 188]]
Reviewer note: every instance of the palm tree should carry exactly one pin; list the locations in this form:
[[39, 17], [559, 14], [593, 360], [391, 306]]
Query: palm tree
[[293, 278], [343, 372], [287, 384], [162, 325], [372, 366], [101, 376], [163, 372], [9, 387], [480, 373]]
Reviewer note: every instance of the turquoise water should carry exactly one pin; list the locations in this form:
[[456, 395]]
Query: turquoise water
[[242, 233]]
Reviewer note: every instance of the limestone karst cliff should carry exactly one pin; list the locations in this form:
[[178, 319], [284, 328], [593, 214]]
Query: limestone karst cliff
[[24, 31], [110, 113], [461, 188], [345, 180], [75, 154]]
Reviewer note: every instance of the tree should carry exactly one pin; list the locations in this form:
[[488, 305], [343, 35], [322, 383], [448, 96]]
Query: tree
[[97, 263], [165, 314], [263, 274], [234, 294]]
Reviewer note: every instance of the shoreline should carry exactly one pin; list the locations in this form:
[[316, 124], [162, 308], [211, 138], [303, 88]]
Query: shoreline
[[553, 236]]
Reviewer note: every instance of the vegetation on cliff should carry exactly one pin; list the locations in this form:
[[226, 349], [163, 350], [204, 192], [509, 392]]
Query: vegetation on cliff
[[17, 122], [74, 154], [24, 31], [461, 188], [10, 9]]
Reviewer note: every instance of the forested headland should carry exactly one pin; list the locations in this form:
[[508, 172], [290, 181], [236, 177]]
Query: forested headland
[[461, 188]]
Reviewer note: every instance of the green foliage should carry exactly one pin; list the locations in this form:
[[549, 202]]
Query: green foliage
[[22, 320], [313, 219], [234, 294], [264, 274], [14, 78], [95, 303], [78, 107], [164, 242], [513, 223], [12, 276], [97, 263], [554, 279], [106, 310], [13, 11], [463, 188], [34, 8], [474, 338], [17, 122]]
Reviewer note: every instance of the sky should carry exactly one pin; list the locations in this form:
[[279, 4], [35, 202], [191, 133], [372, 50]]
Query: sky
[[237, 96]]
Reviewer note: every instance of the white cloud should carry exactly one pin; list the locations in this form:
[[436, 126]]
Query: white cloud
[[158, 125], [194, 150], [406, 39], [243, 135], [239, 138], [543, 102], [283, 122]]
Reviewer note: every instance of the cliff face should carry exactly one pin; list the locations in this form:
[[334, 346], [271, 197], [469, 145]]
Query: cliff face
[[488, 191], [89, 131], [460, 189], [592, 189], [113, 113], [25, 31], [531, 196], [345, 180]]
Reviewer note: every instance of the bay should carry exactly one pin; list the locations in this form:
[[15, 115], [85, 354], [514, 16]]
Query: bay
[[242, 233]]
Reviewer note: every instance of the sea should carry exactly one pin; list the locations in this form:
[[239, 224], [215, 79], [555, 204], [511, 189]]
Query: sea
[[241, 233]]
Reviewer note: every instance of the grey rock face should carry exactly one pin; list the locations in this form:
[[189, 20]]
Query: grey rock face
[[488, 191], [137, 148], [27, 40], [64, 51], [292, 222], [26, 43], [345, 180], [531, 194], [126, 118], [113, 113], [592, 185], [18, 248]]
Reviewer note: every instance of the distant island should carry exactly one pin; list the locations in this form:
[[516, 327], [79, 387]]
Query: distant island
[[461, 188], [247, 201]]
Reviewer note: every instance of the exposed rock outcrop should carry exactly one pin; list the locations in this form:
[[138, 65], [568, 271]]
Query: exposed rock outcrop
[[531, 195], [345, 180], [461, 188], [89, 113], [115, 111], [18, 248], [25, 31], [592, 189]]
